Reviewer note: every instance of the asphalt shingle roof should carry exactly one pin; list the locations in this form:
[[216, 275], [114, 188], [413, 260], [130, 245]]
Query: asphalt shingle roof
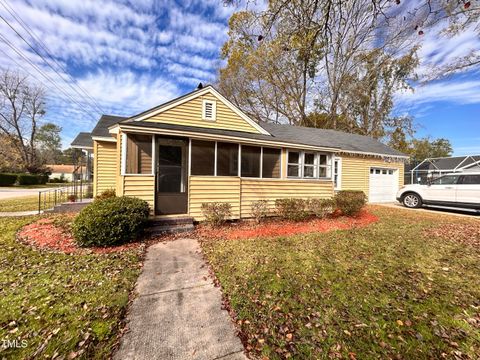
[[279, 132], [101, 129], [329, 138], [83, 140], [449, 163]]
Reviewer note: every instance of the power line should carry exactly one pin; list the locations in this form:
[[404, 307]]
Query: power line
[[29, 30], [7, 42], [46, 62]]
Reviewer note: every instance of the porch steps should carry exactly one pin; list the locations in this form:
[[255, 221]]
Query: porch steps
[[170, 225]]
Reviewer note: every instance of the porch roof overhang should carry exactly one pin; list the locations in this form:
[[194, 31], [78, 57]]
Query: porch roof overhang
[[213, 134]]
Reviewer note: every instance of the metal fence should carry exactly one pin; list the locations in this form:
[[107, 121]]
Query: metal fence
[[74, 192]]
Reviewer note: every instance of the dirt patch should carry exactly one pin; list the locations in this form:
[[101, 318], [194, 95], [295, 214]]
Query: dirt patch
[[275, 227], [53, 233], [462, 233]]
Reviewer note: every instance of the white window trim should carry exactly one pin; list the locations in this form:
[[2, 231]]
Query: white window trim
[[214, 110], [123, 165], [316, 165]]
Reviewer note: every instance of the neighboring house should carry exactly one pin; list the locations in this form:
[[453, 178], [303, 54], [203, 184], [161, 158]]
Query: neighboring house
[[67, 172], [201, 148], [432, 168]]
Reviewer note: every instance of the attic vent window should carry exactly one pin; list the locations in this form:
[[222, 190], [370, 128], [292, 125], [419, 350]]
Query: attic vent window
[[209, 110]]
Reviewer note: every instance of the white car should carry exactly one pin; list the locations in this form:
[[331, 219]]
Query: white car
[[453, 191]]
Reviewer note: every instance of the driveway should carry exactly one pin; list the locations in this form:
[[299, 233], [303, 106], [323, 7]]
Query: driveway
[[432, 210], [178, 311]]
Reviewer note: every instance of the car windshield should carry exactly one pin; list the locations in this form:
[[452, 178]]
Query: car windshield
[[445, 180]]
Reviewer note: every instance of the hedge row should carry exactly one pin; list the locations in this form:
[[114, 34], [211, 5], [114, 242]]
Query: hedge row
[[348, 202], [22, 179]]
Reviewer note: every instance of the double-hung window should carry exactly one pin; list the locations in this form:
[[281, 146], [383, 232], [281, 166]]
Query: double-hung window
[[308, 165]]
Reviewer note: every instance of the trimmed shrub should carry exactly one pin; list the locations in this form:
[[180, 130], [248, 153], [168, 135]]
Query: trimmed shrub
[[112, 221], [8, 179], [32, 179], [260, 210], [350, 202], [216, 213], [107, 194], [321, 208], [292, 209]]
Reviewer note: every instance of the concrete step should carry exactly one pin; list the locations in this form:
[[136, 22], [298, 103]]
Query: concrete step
[[171, 225]]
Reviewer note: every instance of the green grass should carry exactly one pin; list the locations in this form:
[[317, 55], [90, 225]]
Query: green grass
[[38, 186], [61, 304], [23, 203], [384, 291]]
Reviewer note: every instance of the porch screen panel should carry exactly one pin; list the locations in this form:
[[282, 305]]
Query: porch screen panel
[[203, 157], [139, 154], [227, 159], [271, 163], [251, 161]]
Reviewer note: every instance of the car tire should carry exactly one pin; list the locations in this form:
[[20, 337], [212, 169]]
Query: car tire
[[412, 200]]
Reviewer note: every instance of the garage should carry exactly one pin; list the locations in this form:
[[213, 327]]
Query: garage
[[383, 185]]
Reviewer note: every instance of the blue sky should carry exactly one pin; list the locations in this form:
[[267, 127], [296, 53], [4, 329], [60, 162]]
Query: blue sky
[[130, 55]]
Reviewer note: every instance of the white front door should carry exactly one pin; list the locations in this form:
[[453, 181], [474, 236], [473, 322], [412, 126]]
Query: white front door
[[383, 185], [442, 189]]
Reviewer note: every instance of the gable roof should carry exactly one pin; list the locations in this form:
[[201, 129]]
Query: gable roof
[[448, 163], [83, 141], [192, 95], [313, 137], [331, 138], [101, 129]]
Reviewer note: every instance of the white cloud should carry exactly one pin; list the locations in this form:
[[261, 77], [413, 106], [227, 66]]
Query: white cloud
[[464, 92]]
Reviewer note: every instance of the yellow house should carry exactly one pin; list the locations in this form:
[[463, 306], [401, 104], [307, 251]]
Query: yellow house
[[201, 148]]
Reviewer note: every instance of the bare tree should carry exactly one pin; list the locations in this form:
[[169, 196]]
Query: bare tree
[[22, 104]]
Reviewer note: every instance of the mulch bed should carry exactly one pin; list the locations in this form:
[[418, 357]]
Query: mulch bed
[[47, 235], [276, 227], [468, 234]]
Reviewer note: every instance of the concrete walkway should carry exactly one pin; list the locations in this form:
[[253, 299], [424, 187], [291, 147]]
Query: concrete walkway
[[19, 213], [178, 314]]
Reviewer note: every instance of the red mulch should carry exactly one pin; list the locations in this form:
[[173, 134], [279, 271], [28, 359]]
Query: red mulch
[[275, 227], [44, 234]]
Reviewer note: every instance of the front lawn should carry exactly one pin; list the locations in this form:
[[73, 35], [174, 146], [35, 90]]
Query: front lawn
[[394, 289], [61, 305]]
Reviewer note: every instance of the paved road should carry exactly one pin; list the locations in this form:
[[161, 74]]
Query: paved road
[[178, 312], [8, 193]]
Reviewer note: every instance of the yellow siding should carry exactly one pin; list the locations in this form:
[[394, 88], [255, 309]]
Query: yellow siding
[[142, 187], [356, 172], [213, 189], [241, 192], [105, 166], [190, 114], [272, 189]]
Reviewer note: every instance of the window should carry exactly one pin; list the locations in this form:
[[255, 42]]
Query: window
[[271, 163], [138, 154], [445, 180], [209, 111], [203, 157], [308, 165], [250, 161], [293, 168], [323, 167], [227, 159], [470, 180]]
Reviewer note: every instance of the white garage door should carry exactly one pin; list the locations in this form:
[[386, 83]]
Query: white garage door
[[383, 185]]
